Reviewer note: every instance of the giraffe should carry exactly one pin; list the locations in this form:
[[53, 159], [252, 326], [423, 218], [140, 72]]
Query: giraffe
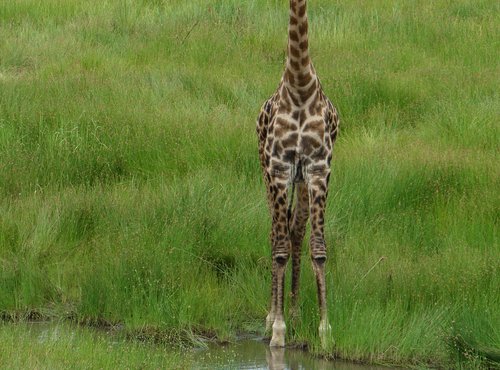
[[296, 128]]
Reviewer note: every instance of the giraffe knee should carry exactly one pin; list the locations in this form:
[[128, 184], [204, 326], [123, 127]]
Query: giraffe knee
[[319, 260], [282, 258], [318, 251]]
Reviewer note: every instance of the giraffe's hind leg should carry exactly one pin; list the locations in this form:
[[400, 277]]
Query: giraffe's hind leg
[[280, 254], [318, 186], [267, 179], [272, 310], [297, 232]]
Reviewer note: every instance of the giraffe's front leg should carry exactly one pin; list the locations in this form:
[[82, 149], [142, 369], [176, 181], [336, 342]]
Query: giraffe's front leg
[[317, 201], [280, 254]]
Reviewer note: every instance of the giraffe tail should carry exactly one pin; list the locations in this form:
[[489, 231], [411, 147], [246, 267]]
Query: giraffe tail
[[298, 177], [290, 205]]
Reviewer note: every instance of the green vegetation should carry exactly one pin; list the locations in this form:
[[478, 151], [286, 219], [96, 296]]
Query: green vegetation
[[41, 346], [130, 189]]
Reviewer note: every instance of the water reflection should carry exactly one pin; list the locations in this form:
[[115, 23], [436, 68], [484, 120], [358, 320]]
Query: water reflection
[[255, 354]]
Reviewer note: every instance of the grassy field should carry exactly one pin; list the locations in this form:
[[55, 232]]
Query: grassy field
[[130, 189], [40, 346]]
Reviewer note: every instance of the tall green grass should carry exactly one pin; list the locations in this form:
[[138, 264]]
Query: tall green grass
[[58, 346], [131, 191]]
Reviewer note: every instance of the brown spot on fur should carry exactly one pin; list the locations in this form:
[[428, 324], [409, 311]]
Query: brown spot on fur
[[302, 11], [312, 108], [291, 140], [284, 108], [277, 149], [303, 28], [285, 104], [294, 100], [284, 93], [295, 65], [284, 124], [309, 144], [307, 94], [316, 126], [294, 52], [280, 186], [289, 156], [304, 79], [319, 154]]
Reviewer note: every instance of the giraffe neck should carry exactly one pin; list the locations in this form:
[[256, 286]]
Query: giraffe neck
[[299, 72]]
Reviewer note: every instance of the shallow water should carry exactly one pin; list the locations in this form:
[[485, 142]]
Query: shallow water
[[256, 354], [248, 353]]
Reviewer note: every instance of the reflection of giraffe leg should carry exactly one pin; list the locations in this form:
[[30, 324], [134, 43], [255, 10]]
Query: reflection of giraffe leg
[[280, 254], [318, 186], [297, 232], [276, 358]]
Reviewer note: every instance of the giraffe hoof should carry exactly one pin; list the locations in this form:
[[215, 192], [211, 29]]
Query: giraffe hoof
[[325, 335], [278, 339]]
